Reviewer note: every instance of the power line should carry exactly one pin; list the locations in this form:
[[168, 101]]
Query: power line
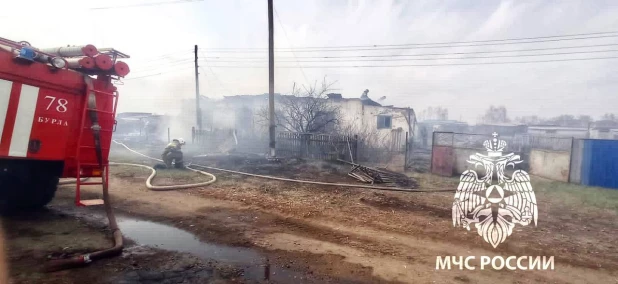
[[155, 66], [157, 74], [432, 54], [160, 68], [453, 42], [146, 4], [421, 65], [216, 78], [290, 43], [477, 41], [182, 62], [162, 56], [411, 46], [440, 58], [134, 78]]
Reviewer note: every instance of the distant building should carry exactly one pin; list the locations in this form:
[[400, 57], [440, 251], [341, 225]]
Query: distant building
[[503, 129], [604, 129], [141, 127], [426, 128], [558, 131]]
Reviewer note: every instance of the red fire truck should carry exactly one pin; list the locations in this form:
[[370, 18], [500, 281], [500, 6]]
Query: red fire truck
[[57, 109]]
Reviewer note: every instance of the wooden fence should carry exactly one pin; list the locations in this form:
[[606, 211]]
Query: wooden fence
[[316, 146]]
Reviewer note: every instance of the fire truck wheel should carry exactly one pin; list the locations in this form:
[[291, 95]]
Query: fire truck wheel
[[27, 185], [44, 189]]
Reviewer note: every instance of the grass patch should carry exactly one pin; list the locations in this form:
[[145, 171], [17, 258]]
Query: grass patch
[[560, 192], [579, 195], [431, 181], [128, 171]]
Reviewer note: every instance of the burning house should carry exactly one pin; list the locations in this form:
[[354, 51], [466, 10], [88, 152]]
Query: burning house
[[383, 129]]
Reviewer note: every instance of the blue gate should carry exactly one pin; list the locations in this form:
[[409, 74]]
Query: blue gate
[[600, 163]]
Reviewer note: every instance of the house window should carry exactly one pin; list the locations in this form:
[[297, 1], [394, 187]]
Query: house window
[[385, 121]]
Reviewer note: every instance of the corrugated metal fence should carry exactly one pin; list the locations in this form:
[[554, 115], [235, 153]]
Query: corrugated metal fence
[[599, 163]]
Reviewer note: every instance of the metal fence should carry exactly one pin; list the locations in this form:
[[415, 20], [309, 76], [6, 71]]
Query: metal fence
[[450, 151], [562, 144], [516, 143]]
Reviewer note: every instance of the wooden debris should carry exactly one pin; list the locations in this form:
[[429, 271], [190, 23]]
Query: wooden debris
[[379, 176]]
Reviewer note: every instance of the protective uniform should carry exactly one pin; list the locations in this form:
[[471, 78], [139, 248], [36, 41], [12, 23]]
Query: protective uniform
[[173, 153]]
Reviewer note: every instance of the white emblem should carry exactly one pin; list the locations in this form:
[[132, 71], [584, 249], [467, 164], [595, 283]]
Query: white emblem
[[494, 206]]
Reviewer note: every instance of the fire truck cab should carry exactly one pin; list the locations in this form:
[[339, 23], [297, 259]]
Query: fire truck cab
[[55, 122]]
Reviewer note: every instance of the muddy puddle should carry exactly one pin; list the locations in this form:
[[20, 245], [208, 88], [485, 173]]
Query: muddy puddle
[[253, 263]]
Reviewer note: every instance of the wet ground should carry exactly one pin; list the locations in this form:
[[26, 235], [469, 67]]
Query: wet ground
[[154, 252], [254, 265]]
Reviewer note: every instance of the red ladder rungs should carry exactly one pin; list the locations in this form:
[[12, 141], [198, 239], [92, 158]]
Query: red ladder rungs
[[89, 164], [102, 130], [104, 93], [102, 111], [91, 183]]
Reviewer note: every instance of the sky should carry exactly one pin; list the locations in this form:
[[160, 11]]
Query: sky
[[160, 40]]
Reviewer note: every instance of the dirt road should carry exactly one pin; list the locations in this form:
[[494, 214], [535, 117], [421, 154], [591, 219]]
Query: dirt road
[[314, 234]]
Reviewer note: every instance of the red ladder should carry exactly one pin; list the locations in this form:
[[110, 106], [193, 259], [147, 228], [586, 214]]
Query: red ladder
[[88, 126]]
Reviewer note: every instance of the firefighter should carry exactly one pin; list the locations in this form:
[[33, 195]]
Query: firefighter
[[173, 153]]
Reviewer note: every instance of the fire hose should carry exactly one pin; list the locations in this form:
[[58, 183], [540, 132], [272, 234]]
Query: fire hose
[[85, 259], [117, 249], [296, 180], [113, 225], [168, 187], [118, 245]]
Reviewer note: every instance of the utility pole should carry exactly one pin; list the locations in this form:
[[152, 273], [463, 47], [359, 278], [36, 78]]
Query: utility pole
[[198, 112], [271, 79]]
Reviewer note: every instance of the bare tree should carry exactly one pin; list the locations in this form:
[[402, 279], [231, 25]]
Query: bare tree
[[529, 120], [305, 110], [609, 116], [495, 115], [585, 120], [439, 113]]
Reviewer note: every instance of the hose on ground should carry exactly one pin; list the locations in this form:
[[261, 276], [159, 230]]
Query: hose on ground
[[62, 264], [296, 180], [169, 187], [154, 173], [57, 265], [324, 183]]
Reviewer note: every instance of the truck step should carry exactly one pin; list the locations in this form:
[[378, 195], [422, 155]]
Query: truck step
[[91, 202]]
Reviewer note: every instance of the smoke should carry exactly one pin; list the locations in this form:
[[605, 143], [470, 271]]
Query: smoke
[[551, 89]]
